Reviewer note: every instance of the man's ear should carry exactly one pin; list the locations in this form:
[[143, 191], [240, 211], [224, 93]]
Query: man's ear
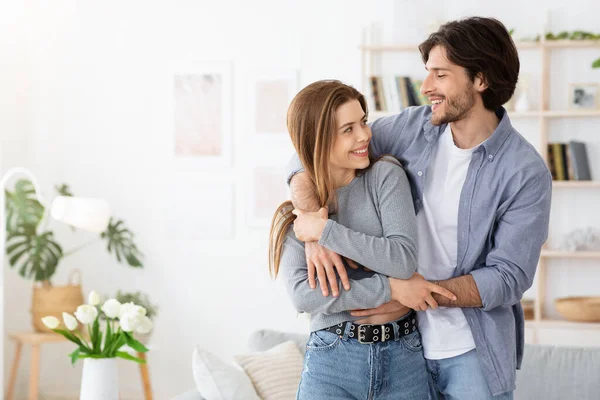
[[480, 83]]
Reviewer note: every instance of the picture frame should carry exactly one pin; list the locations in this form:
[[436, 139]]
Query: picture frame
[[201, 104], [266, 190], [269, 94], [584, 96]]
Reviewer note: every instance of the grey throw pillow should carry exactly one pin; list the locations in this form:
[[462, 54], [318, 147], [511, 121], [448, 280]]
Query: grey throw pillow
[[266, 339]]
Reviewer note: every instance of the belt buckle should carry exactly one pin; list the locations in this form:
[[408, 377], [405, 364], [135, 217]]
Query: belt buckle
[[360, 338]]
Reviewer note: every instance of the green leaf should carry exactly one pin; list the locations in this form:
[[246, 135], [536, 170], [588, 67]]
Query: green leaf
[[71, 337], [22, 206], [96, 336], [74, 356], [118, 341], [120, 242], [596, 64], [127, 356], [107, 337], [36, 256], [64, 190], [134, 344]]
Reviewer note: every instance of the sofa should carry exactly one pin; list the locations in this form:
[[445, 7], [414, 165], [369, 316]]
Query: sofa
[[548, 372]]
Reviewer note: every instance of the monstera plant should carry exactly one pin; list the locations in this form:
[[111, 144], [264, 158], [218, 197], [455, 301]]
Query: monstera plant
[[32, 248]]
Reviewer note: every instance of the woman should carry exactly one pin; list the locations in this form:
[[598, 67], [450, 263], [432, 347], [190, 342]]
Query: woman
[[372, 222]]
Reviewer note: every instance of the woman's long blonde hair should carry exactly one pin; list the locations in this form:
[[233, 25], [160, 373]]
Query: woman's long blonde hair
[[312, 127]]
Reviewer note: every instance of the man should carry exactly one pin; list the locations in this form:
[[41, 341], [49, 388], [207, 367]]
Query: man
[[482, 196]]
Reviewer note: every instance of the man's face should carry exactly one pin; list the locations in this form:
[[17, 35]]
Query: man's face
[[449, 88]]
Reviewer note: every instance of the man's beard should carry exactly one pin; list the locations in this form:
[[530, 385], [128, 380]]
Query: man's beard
[[456, 108]]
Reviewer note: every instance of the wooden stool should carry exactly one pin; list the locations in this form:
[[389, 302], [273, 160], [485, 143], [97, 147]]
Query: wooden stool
[[36, 340]]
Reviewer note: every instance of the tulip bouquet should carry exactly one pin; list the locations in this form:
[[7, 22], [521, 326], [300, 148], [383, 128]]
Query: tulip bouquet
[[122, 320]]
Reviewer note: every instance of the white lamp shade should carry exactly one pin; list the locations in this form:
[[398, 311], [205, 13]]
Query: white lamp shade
[[81, 212]]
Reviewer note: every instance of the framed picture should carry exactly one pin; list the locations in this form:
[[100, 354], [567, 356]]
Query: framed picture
[[267, 189], [270, 92], [202, 111], [584, 96]]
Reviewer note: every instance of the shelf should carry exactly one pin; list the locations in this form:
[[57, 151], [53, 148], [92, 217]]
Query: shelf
[[526, 114], [559, 323], [575, 184], [550, 44], [569, 254], [555, 114], [565, 44], [571, 114]]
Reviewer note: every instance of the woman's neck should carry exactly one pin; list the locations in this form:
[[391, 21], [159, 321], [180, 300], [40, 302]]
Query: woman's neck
[[342, 176]]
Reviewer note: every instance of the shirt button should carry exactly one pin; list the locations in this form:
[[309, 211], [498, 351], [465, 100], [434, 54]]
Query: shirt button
[[418, 201], [420, 173], [491, 157]]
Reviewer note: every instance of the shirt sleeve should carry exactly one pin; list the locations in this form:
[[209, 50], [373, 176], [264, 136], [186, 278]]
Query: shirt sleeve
[[395, 253], [369, 292], [520, 233], [386, 133]]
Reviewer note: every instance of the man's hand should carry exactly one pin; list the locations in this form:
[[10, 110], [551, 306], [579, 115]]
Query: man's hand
[[308, 226], [386, 308], [416, 292], [323, 263]]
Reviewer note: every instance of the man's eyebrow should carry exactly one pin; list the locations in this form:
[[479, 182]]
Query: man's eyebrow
[[352, 123], [437, 69]]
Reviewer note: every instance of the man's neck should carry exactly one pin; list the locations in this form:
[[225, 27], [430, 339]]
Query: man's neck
[[475, 128]]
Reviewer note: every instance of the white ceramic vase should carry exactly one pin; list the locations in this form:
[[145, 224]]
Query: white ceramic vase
[[100, 379]]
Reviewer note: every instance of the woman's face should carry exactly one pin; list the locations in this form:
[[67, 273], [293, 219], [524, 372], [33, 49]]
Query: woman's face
[[350, 150]]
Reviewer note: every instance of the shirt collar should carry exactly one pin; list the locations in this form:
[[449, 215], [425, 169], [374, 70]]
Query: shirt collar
[[491, 145]]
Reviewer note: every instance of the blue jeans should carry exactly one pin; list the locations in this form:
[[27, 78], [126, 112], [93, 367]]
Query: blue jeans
[[341, 368], [460, 378]]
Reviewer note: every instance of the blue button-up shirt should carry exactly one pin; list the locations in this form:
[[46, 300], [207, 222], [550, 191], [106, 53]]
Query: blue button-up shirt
[[503, 219]]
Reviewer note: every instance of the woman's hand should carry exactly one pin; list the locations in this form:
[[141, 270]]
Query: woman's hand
[[308, 226]]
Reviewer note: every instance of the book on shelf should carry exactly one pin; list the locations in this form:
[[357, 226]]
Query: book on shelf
[[578, 154], [568, 161], [394, 93]]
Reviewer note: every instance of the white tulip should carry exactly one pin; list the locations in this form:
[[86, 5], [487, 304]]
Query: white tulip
[[70, 321], [111, 308], [144, 326], [94, 298], [51, 322], [131, 308], [129, 322], [86, 314]]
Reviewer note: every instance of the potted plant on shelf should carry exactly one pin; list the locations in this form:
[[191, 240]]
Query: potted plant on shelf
[[566, 35], [33, 250], [99, 347]]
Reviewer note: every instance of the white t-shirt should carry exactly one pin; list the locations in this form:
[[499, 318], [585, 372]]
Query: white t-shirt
[[445, 331]]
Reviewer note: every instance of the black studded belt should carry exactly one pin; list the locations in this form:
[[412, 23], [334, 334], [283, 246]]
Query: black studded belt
[[370, 333]]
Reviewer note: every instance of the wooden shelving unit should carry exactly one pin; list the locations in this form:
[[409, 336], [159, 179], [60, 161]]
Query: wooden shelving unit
[[544, 116]]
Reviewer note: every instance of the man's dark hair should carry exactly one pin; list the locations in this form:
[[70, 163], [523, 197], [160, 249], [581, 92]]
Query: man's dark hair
[[482, 46]]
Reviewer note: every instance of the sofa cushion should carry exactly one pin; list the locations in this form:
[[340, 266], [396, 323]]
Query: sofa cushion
[[276, 372], [216, 380], [265, 339], [550, 372]]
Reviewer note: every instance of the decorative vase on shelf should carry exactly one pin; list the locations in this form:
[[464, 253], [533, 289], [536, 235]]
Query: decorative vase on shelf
[[100, 379], [522, 101]]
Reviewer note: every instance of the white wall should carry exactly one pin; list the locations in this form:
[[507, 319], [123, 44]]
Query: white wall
[[95, 75]]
